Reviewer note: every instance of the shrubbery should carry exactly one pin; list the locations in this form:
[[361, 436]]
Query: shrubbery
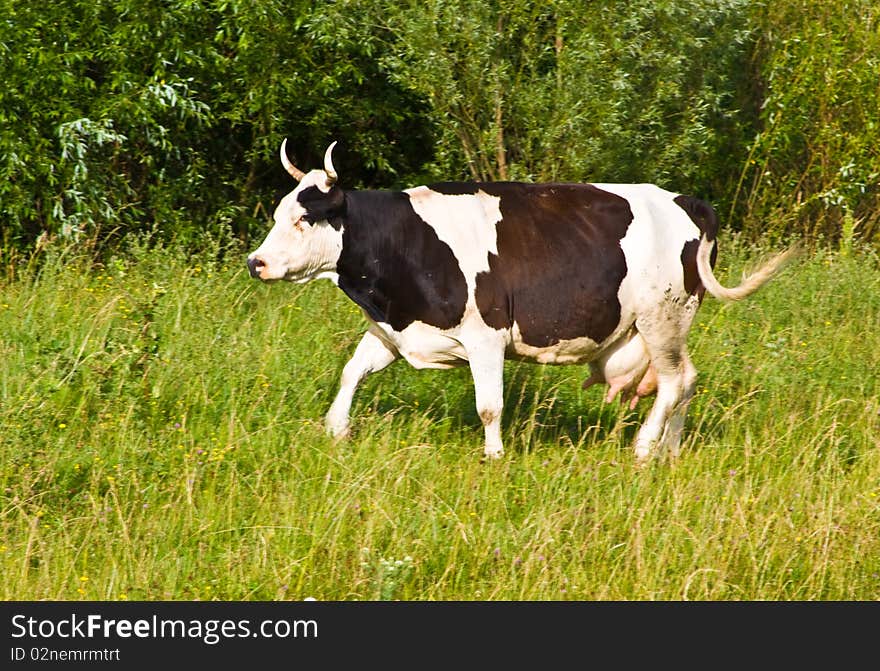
[[127, 115]]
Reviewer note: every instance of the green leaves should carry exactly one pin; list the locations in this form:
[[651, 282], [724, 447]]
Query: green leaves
[[617, 93], [815, 166], [121, 116]]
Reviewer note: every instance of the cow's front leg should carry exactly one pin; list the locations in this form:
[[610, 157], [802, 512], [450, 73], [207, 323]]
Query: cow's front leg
[[487, 369], [371, 355]]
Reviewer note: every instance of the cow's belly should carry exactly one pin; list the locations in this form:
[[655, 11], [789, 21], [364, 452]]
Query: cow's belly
[[575, 351], [580, 350], [424, 346]]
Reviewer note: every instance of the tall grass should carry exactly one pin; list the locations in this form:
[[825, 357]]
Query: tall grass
[[161, 438]]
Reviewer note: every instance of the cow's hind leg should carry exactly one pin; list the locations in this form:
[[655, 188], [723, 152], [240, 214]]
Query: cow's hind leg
[[671, 438], [670, 390], [371, 355], [676, 384]]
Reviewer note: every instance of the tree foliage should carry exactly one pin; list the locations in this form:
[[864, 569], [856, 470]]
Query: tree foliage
[[121, 116], [814, 165], [129, 115], [543, 91]]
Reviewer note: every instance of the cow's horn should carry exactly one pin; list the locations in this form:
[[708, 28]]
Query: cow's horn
[[295, 172], [328, 165]]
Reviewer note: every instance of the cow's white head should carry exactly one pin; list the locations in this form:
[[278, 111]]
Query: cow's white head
[[306, 240]]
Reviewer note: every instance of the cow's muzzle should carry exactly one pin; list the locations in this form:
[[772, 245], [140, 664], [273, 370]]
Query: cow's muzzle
[[255, 265]]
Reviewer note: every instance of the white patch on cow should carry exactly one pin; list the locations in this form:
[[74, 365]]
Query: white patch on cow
[[652, 247], [424, 346], [465, 222]]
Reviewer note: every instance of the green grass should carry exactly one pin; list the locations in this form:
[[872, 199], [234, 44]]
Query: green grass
[[161, 438]]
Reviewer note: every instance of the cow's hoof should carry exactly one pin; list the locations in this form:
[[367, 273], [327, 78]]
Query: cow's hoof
[[491, 455], [643, 455], [337, 431]]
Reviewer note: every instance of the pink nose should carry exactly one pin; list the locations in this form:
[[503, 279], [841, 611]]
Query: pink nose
[[255, 265]]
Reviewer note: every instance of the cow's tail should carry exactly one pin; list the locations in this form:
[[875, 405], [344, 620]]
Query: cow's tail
[[750, 284]]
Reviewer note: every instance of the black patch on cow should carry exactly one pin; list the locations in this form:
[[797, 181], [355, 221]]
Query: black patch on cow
[[322, 206], [455, 188], [559, 264], [394, 266], [692, 281], [703, 215]]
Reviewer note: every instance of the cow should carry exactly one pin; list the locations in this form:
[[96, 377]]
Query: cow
[[473, 273]]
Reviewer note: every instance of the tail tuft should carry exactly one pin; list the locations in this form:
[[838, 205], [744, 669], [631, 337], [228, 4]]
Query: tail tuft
[[751, 283]]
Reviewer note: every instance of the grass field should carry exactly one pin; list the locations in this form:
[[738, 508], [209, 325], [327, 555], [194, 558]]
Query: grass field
[[161, 438]]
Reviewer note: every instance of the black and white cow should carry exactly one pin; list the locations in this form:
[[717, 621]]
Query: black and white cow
[[462, 273]]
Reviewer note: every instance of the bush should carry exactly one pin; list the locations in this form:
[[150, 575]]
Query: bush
[[121, 116], [814, 167], [124, 116]]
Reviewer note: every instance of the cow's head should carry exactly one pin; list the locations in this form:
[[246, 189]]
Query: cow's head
[[306, 240]]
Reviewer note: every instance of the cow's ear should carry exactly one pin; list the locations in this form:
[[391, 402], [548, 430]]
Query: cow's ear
[[322, 206]]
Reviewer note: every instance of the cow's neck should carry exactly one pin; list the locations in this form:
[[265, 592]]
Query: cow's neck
[[394, 267]]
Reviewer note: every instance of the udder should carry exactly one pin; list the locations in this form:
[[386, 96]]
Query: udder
[[627, 370]]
